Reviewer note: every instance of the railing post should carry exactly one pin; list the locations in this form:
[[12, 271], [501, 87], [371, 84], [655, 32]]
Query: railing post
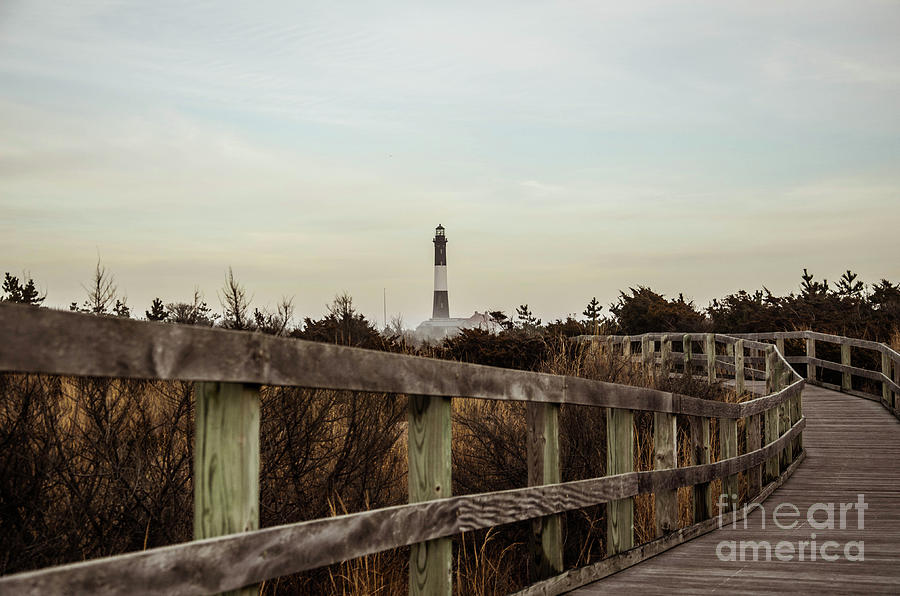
[[665, 351], [619, 459], [728, 447], [665, 456], [626, 347], [810, 353], [845, 360], [543, 468], [895, 405], [787, 421], [646, 357], [688, 350], [739, 367], [886, 371], [779, 344], [771, 415], [796, 444], [711, 357], [701, 448], [429, 478], [770, 369], [753, 435], [226, 461], [781, 415]]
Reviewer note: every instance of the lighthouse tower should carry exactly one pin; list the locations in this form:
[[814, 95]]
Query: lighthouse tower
[[441, 309], [440, 325]]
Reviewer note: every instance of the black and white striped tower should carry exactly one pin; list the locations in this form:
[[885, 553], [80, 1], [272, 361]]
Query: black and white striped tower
[[441, 308]]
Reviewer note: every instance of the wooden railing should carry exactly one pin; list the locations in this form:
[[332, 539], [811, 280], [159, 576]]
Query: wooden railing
[[883, 384], [230, 553]]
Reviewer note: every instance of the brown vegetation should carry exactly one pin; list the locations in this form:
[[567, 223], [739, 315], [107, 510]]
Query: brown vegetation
[[92, 467]]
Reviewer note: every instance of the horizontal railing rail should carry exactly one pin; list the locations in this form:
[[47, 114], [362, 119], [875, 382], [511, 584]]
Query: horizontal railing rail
[[888, 377], [228, 367]]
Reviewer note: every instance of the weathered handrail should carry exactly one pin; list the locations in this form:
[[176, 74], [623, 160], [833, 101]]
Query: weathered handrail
[[888, 376], [890, 360], [229, 366], [85, 345]]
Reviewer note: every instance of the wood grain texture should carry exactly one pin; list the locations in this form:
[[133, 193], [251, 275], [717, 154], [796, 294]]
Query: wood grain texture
[[701, 448], [771, 335], [226, 462], [665, 350], [430, 562], [688, 355], [619, 459], [69, 343], [57, 342], [543, 468], [810, 354], [646, 357], [845, 361], [766, 402], [750, 340], [850, 341], [896, 386], [739, 386], [753, 440], [599, 393], [847, 369], [665, 451], [854, 392], [796, 414], [748, 343], [784, 423], [710, 349], [771, 420], [728, 443]]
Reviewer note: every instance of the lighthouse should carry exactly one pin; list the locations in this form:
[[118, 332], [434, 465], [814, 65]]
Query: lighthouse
[[441, 308], [440, 325]]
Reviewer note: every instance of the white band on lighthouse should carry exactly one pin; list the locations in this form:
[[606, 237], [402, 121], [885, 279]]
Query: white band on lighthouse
[[440, 278]]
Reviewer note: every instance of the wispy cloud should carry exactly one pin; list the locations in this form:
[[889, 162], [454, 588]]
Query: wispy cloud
[[598, 143]]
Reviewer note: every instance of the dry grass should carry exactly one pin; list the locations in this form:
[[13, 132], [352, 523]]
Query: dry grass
[[485, 566], [108, 469]]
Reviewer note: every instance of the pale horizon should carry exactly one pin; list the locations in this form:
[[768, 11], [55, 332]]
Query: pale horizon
[[570, 152]]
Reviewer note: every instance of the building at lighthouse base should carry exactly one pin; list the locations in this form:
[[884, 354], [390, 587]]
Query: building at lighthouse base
[[437, 329]]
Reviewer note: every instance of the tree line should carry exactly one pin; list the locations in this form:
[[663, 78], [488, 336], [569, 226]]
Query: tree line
[[848, 307]]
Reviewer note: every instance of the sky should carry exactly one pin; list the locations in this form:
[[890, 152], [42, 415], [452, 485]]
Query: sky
[[570, 149]]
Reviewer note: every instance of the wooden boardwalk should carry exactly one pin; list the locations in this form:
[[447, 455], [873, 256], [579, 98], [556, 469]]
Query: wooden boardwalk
[[853, 447]]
